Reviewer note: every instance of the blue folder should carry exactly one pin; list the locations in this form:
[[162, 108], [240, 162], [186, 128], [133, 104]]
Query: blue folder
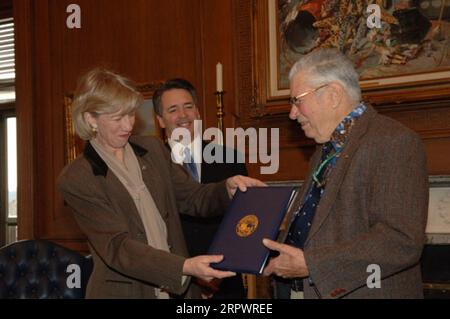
[[251, 216]]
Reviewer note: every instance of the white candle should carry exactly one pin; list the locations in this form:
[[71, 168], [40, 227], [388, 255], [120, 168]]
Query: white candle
[[219, 77]]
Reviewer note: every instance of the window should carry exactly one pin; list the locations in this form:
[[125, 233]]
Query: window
[[8, 174], [11, 176], [8, 166], [7, 64], [8, 136]]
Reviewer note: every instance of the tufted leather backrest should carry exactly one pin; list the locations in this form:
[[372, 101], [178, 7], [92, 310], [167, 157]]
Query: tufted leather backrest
[[41, 269]]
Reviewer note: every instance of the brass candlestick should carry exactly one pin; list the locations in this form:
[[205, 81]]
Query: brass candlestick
[[219, 101]]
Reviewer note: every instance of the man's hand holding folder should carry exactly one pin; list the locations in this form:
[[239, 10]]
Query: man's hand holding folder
[[290, 263]]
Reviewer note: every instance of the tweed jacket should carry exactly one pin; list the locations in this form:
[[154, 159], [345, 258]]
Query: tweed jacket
[[373, 212], [125, 266]]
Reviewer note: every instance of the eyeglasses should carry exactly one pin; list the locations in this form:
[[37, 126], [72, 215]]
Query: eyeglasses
[[297, 100]]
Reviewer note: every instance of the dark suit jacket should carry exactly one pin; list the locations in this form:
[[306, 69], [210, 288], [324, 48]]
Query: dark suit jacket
[[125, 266], [373, 211], [199, 232]]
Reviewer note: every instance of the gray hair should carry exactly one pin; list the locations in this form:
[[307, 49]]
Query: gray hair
[[329, 65]]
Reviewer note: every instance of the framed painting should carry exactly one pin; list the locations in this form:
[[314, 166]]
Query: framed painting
[[438, 223], [409, 48], [145, 124]]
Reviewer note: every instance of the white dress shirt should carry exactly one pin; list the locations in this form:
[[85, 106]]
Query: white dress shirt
[[195, 148]]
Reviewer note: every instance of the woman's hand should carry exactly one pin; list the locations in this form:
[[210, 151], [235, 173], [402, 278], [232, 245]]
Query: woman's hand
[[199, 267], [241, 182]]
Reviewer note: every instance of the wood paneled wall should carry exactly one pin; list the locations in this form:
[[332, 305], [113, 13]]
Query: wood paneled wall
[[144, 40], [152, 40]]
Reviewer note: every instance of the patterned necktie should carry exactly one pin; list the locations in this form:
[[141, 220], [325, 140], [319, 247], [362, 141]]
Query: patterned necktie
[[190, 165], [304, 216]]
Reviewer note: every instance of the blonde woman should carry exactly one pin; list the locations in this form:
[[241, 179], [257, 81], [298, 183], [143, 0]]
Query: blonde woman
[[126, 194]]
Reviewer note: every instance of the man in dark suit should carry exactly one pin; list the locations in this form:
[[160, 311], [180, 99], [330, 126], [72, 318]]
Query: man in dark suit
[[359, 227], [175, 106]]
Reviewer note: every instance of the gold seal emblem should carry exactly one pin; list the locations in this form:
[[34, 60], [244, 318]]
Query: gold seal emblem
[[247, 225]]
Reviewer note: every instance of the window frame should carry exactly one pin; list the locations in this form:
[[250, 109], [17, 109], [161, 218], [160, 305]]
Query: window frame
[[7, 110]]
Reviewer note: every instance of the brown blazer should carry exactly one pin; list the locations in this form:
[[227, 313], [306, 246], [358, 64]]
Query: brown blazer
[[373, 211], [125, 266]]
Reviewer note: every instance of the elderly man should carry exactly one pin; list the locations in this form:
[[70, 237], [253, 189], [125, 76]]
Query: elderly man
[[359, 228]]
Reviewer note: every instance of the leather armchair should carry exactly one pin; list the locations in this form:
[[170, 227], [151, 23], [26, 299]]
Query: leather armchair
[[40, 269]]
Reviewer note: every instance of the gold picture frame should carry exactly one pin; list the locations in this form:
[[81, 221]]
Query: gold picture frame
[[397, 80], [146, 122]]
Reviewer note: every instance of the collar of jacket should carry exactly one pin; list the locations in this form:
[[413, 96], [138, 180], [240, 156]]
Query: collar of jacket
[[98, 165], [328, 199]]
